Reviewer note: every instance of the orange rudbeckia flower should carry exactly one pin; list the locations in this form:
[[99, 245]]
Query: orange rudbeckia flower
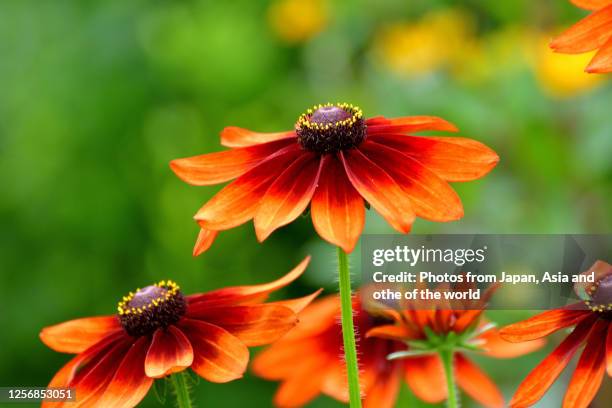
[[333, 160], [319, 337], [591, 33], [158, 331], [592, 327], [382, 333], [458, 327]]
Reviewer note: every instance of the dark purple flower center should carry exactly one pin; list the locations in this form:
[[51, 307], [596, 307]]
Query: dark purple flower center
[[147, 295], [327, 115], [331, 128], [150, 308], [603, 293], [600, 294]]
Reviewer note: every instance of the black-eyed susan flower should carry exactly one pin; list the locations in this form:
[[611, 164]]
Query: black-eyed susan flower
[[319, 336], [158, 331], [334, 160], [592, 326], [383, 333]]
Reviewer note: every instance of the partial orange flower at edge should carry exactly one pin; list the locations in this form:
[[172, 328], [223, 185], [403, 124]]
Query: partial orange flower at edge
[[592, 321], [333, 161], [591, 33], [319, 336], [158, 331], [460, 323]]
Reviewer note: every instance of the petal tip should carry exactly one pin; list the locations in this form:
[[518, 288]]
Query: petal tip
[[406, 228], [594, 68], [178, 170], [348, 248], [263, 232], [174, 166], [48, 340], [452, 128], [204, 241], [553, 44], [41, 336], [262, 235]]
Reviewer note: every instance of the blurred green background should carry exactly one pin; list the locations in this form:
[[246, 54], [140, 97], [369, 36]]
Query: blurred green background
[[97, 96]]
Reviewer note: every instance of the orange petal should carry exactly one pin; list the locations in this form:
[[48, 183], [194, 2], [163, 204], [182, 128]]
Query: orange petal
[[586, 35], [431, 197], [170, 352], [288, 196], [282, 358], [591, 4], [91, 381], [379, 189], [539, 380], [335, 382], [542, 324], [237, 202], [215, 168], [377, 120], [451, 158], [496, 346], [233, 136], [78, 335], [218, 356], [247, 294], [408, 124], [319, 317], [204, 241], [383, 393], [476, 383], [68, 372], [337, 209], [129, 384], [392, 332], [590, 370], [298, 304], [466, 318], [602, 61], [304, 384], [425, 377], [254, 325]]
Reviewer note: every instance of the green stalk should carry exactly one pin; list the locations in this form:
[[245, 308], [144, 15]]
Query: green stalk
[[446, 355], [181, 390], [348, 329]]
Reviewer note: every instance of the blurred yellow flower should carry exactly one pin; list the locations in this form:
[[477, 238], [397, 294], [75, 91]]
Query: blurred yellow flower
[[296, 21], [505, 50], [417, 48], [562, 75]]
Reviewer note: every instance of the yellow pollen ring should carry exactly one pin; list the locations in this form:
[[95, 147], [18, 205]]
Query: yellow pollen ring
[[598, 308], [171, 289], [355, 111]]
